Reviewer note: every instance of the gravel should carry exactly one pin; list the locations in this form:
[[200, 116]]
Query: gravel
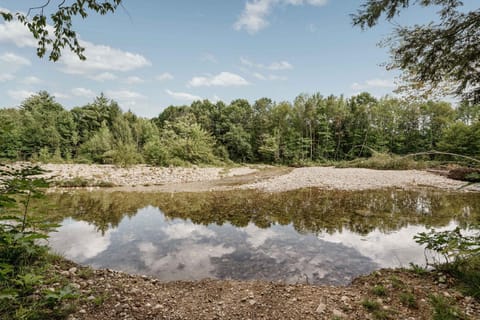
[[265, 178]]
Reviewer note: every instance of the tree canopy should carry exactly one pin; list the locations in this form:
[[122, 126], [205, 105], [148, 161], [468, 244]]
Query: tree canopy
[[53, 29], [440, 57]]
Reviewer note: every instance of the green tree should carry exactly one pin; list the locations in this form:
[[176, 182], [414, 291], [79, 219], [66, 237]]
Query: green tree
[[45, 124], [96, 148], [440, 56], [10, 133]]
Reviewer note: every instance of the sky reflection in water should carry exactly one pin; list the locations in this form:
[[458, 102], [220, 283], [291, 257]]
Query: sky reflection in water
[[150, 242]]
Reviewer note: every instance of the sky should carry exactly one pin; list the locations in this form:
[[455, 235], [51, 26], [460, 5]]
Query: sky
[[152, 54]]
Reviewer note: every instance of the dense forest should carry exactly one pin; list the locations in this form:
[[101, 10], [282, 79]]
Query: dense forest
[[313, 128]]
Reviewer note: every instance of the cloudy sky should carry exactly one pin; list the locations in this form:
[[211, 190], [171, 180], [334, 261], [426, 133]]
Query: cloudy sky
[[152, 54]]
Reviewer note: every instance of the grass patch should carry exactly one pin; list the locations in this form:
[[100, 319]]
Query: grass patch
[[417, 269], [382, 314], [85, 273], [396, 282], [379, 290], [444, 309], [467, 275], [408, 299], [370, 305], [79, 182]]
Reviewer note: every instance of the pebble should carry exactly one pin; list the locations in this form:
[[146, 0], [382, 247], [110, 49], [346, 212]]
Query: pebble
[[321, 308], [338, 313]]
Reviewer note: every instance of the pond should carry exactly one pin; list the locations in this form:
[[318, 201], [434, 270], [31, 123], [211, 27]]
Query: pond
[[305, 236]]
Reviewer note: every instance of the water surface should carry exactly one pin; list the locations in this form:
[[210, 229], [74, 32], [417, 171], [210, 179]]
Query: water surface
[[314, 236]]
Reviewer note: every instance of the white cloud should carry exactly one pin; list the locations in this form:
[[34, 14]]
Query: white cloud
[[259, 76], [19, 95], [282, 65], [183, 96], [254, 16], [134, 80], [123, 95], [274, 66], [195, 259], [393, 249], [31, 80], [183, 230], [70, 240], [223, 79], [101, 58], [15, 32], [6, 77], [164, 76], [272, 77], [257, 236], [82, 92], [373, 83], [104, 76], [60, 95], [277, 78], [12, 58]]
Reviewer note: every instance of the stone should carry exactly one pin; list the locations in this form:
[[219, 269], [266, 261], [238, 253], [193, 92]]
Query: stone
[[321, 308], [338, 313], [72, 270]]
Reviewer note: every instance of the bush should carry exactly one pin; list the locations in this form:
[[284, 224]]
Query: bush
[[22, 260], [460, 254], [465, 174]]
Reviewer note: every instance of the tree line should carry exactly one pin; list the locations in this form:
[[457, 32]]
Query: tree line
[[312, 128]]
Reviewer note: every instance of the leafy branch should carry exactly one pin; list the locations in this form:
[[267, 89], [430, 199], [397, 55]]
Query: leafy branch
[[60, 34]]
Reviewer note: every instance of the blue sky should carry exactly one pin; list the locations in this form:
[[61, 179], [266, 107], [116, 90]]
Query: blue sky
[[152, 54]]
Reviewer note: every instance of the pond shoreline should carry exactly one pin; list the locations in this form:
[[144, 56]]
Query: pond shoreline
[[261, 177], [109, 294]]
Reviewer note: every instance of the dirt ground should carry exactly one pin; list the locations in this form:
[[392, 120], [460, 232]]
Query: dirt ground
[[385, 294]]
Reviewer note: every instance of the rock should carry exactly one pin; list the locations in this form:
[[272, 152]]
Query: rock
[[345, 299], [252, 302], [442, 279], [72, 270], [82, 311], [338, 313], [321, 308]]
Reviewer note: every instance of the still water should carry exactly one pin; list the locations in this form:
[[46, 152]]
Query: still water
[[307, 236]]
